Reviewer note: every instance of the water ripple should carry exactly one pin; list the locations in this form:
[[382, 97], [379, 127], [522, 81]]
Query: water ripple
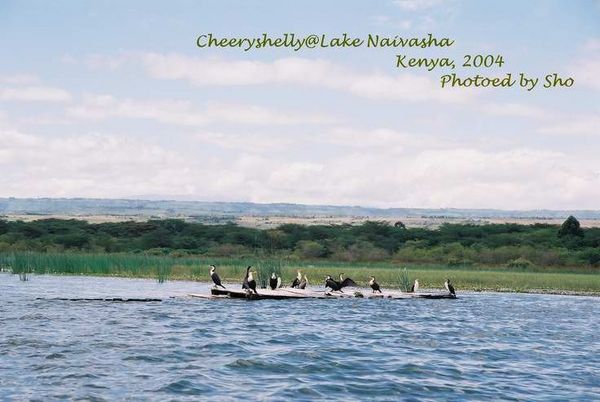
[[481, 346]]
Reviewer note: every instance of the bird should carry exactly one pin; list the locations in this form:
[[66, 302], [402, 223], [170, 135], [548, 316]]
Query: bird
[[215, 277], [333, 285], [297, 280], [449, 287], [252, 281], [249, 282], [346, 282], [374, 285], [415, 286], [303, 283], [274, 281]]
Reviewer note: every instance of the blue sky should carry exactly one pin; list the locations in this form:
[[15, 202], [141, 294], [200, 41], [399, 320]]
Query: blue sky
[[113, 99]]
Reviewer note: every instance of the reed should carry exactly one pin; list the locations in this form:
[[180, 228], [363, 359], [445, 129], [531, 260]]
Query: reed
[[232, 270], [162, 273], [404, 282], [266, 267]]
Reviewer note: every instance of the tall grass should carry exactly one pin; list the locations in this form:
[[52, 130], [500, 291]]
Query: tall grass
[[162, 273], [23, 270], [266, 267], [233, 269], [94, 264], [404, 282]]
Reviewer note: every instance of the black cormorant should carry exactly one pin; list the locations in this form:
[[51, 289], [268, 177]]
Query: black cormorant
[[333, 285], [297, 280], [274, 281], [215, 277], [374, 285], [303, 283], [346, 282], [249, 282], [449, 287]]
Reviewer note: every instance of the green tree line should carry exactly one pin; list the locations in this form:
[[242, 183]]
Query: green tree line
[[454, 244]]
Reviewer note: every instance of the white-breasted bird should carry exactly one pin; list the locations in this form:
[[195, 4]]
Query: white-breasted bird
[[249, 283], [274, 281], [215, 277], [303, 283], [297, 279], [449, 287], [374, 285]]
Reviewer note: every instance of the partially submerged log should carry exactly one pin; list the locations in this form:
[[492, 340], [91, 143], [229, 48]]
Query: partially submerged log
[[105, 299], [279, 294], [291, 293]]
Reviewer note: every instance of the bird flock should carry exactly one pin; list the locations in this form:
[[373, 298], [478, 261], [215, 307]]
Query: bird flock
[[301, 281]]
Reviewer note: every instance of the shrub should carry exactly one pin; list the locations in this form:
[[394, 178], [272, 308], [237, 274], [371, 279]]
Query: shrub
[[179, 253], [361, 251], [158, 251], [310, 249], [591, 256], [229, 250], [520, 263], [457, 262]]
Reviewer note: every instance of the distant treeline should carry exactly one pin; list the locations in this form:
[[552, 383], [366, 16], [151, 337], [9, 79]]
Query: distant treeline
[[453, 244]]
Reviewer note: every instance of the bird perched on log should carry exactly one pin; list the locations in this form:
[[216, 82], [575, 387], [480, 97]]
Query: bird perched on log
[[346, 282], [249, 282], [449, 287], [274, 281], [297, 279], [333, 285], [415, 287], [303, 283], [374, 285], [215, 277]]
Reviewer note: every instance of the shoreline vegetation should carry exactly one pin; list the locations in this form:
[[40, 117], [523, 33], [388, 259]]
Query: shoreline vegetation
[[563, 259], [231, 270]]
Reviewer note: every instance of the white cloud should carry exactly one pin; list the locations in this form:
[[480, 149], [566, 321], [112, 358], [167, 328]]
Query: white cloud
[[383, 140], [417, 5], [434, 178], [452, 177], [248, 142], [574, 125], [100, 165], [299, 72], [102, 62], [18, 79], [591, 44], [515, 109], [99, 107], [16, 138], [586, 69], [184, 113], [92, 165], [34, 94], [386, 20], [343, 139], [387, 168]]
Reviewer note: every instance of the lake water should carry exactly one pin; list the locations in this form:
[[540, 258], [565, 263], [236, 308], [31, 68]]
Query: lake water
[[479, 347]]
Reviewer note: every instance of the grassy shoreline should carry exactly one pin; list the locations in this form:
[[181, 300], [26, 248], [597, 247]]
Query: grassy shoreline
[[471, 278]]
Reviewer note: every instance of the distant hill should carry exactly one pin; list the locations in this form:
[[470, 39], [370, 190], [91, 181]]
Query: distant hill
[[166, 208]]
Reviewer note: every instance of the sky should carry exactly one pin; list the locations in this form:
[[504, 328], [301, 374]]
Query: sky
[[113, 99]]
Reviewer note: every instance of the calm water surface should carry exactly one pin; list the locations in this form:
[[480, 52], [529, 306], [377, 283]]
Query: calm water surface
[[478, 347]]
